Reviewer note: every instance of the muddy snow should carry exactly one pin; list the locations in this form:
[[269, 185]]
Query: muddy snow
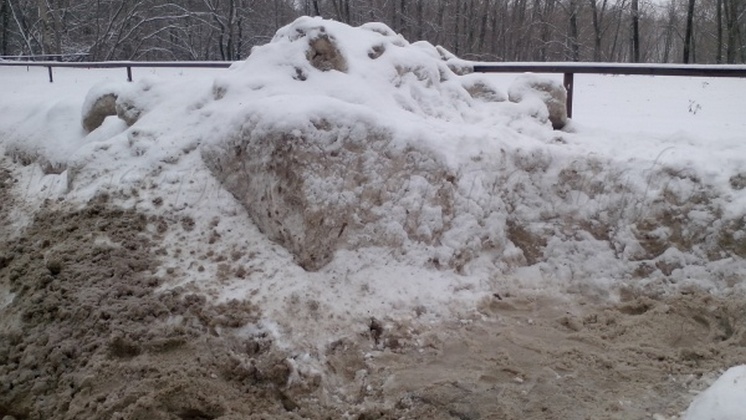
[[88, 332], [348, 225]]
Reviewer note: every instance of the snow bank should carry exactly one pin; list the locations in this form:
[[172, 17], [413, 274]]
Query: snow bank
[[100, 102], [334, 152], [369, 140], [47, 135], [410, 188], [340, 138], [723, 400], [547, 97]]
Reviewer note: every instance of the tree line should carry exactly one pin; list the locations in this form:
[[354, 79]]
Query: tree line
[[665, 31]]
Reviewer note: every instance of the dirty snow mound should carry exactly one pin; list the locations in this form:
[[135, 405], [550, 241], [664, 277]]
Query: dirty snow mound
[[350, 165], [381, 144]]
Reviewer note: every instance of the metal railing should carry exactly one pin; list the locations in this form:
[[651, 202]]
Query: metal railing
[[570, 69], [44, 57], [129, 65], [567, 69]]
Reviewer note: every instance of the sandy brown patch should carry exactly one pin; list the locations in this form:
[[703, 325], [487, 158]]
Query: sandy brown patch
[[543, 359], [86, 335], [6, 199]]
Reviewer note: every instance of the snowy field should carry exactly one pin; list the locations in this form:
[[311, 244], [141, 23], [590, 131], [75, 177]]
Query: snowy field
[[403, 247]]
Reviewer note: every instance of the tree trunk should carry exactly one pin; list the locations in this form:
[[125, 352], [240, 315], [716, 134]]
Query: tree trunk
[[440, 22], [545, 34], [337, 10], [719, 47], [668, 37], [457, 27], [574, 42], [394, 21], [615, 43], [44, 21], [732, 27], [4, 24], [494, 47], [470, 24], [239, 39], [483, 25], [229, 32], [635, 31], [520, 45], [419, 34], [689, 30], [596, 16], [316, 10]]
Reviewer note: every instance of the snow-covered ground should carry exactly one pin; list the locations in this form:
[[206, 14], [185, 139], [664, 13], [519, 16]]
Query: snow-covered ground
[[431, 200]]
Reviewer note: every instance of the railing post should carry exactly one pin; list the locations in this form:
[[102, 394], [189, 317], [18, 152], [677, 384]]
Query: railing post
[[129, 73], [569, 82], [49, 68]]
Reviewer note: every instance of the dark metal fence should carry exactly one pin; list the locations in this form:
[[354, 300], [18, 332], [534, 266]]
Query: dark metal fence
[[567, 69], [129, 65], [570, 69], [45, 57]]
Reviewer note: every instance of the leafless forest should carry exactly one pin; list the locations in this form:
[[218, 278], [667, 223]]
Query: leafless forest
[[696, 31]]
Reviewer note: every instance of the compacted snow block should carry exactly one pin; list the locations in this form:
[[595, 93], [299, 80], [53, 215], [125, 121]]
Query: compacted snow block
[[550, 92], [334, 171], [128, 112], [325, 187], [738, 181], [135, 99], [101, 108], [100, 102], [723, 400], [324, 54], [109, 98], [454, 63], [479, 87]]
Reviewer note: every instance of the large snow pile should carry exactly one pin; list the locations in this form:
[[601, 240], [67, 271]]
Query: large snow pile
[[404, 188], [336, 138], [723, 400], [352, 161], [345, 138]]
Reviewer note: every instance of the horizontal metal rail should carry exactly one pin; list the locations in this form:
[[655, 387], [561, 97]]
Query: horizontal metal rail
[[570, 69], [34, 57], [642, 69], [120, 64], [117, 64], [567, 69]]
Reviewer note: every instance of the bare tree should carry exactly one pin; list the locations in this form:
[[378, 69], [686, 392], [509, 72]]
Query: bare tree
[[734, 16], [597, 15], [4, 26], [719, 47], [635, 31], [572, 10], [689, 30], [512, 30]]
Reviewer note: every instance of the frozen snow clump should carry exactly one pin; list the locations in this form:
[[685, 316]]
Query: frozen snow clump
[[481, 88], [328, 186], [738, 181], [723, 400], [457, 65], [324, 54], [100, 102], [135, 100], [47, 137], [345, 165], [550, 92]]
